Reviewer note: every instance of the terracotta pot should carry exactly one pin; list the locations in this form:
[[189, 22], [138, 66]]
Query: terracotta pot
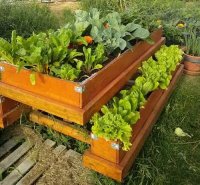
[[191, 65]]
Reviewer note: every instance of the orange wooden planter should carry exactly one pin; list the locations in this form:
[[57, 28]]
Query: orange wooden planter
[[10, 111], [191, 65], [108, 158], [73, 101]]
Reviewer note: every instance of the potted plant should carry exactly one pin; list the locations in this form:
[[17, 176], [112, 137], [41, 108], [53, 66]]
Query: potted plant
[[192, 52]]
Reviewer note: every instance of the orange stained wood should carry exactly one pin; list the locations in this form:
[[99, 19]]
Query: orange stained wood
[[7, 104], [60, 126], [116, 156], [119, 171], [70, 113], [13, 115], [47, 86], [102, 78], [103, 149]]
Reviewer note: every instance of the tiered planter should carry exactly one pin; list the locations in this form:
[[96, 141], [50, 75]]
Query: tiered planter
[[73, 101], [10, 111], [108, 158]]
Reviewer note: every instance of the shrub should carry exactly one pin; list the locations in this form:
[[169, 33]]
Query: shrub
[[25, 18]]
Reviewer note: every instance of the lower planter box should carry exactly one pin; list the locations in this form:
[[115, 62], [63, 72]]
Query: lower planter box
[[10, 111], [108, 158]]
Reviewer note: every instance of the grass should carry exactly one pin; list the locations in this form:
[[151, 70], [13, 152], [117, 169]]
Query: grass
[[167, 159]]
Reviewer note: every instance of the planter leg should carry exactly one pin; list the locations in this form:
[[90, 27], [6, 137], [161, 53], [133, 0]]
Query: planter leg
[[10, 111]]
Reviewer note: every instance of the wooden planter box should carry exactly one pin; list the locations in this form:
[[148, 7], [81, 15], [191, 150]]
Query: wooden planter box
[[10, 111], [73, 101], [108, 158]]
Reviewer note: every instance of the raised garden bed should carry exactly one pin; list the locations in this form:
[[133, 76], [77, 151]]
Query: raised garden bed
[[73, 101], [10, 111], [108, 158]]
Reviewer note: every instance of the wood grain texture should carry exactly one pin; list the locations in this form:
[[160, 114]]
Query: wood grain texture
[[14, 156], [119, 171], [6, 105], [60, 126], [47, 86], [13, 115], [116, 156], [7, 146]]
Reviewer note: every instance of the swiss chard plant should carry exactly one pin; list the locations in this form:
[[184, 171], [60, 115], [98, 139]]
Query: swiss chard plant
[[125, 107], [60, 53]]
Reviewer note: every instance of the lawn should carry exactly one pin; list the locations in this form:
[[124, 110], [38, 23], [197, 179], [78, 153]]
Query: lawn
[[167, 158]]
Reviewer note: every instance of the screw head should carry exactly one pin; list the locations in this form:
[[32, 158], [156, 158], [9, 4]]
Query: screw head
[[2, 68]]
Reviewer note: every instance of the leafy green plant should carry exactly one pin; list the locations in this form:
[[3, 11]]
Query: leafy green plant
[[125, 107], [109, 30], [93, 60], [192, 41]]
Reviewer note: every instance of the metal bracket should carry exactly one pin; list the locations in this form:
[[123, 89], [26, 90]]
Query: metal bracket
[[115, 146], [2, 69], [94, 137], [2, 99], [79, 89]]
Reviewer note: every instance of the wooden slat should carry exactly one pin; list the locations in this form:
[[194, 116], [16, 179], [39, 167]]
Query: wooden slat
[[46, 86], [24, 167], [13, 115], [60, 126], [15, 156], [11, 143], [4, 137], [61, 110], [38, 169]]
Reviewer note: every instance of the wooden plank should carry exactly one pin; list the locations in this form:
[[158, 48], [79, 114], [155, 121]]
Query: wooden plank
[[60, 126], [46, 86], [11, 143], [114, 155], [6, 105], [24, 167], [15, 156], [13, 115], [38, 170], [61, 110], [4, 137]]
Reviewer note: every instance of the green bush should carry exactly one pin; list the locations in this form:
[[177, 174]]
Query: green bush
[[25, 18]]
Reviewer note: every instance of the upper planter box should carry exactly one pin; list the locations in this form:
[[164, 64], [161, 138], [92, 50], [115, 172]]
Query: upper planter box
[[74, 101]]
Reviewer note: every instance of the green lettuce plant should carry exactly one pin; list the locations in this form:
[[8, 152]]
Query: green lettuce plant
[[126, 106]]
